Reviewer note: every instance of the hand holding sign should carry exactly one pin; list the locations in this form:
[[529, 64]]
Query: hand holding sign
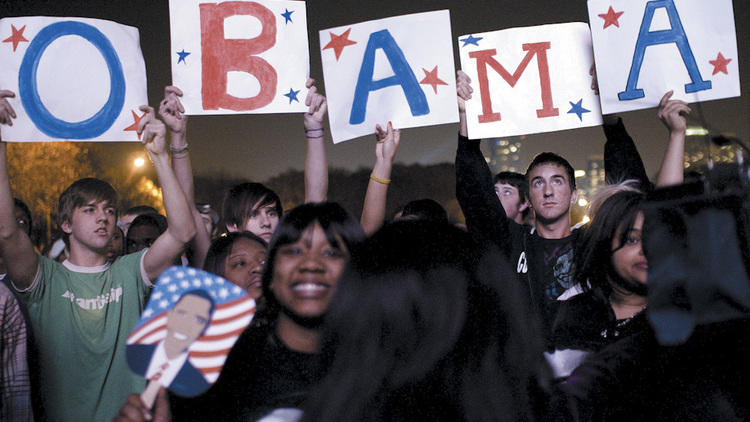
[[673, 113], [152, 132], [135, 410], [171, 110], [317, 107], [7, 114]]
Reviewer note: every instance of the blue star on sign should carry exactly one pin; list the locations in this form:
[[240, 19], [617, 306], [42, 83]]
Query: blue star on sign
[[471, 40], [292, 95], [182, 55], [287, 15], [578, 109]]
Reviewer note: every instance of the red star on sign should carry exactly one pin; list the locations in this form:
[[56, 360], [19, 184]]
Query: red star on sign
[[136, 121], [338, 42], [610, 18], [17, 36], [431, 78], [720, 64]]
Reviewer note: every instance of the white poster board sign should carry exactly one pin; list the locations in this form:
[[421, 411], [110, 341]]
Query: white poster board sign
[[240, 57], [645, 48], [397, 69], [75, 79], [529, 80]]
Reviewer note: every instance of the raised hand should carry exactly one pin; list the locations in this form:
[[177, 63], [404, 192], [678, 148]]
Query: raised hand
[[463, 90], [171, 110], [317, 106], [673, 113], [153, 132], [387, 142], [7, 114]]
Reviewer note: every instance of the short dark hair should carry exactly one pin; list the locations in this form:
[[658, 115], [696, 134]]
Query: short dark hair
[[25, 209], [336, 223], [150, 219], [552, 158], [240, 201], [424, 209], [222, 246], [80, 193], [517, 180]]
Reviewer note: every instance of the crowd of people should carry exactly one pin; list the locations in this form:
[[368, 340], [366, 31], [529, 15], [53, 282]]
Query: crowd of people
[[514, 316]]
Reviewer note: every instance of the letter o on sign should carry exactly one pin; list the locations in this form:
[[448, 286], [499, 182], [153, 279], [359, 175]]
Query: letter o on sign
[[38, 113]]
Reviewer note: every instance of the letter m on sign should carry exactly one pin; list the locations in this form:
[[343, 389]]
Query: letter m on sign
[[486, 58]]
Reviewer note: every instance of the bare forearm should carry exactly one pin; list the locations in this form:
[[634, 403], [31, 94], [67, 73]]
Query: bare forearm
[[672, 170], [373, 212], [316, 168], [463, 128], [179, 215], [182, 165], [15, 247]]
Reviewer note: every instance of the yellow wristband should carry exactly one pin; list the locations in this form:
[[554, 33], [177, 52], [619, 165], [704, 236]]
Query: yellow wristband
[[379, 180]]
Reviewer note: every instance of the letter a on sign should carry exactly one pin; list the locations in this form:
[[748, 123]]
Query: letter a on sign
[[240, 56], [75, 79], [397, 69], [644, 48]]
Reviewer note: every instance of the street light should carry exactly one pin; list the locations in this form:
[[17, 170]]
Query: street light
[[139, 162]]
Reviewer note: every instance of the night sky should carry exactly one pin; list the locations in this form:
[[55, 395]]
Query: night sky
[[258, 147]]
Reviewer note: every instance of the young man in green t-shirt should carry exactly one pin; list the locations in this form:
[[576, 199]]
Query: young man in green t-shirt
[[82, 310]]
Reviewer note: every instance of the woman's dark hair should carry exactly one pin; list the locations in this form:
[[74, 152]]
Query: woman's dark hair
[[240, 202], [427, 325], [338, 225], [593, 258], [221, 247]]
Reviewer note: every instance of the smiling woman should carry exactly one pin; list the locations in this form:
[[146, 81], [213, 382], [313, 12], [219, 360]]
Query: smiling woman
[[275, 363]]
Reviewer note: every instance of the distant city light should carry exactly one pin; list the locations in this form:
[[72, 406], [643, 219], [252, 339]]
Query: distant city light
[[580, 173]]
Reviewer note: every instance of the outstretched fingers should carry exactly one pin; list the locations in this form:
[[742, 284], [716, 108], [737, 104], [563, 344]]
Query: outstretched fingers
[[6, 110]]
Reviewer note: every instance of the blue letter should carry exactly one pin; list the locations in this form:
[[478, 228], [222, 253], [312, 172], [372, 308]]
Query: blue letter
[[402, 75], [647, 38], [38, 113]]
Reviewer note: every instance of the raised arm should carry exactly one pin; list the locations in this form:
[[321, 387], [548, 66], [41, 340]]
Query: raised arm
[[672, 113], [15, 246], [621, 159], [316, 166], [485, 216], [180, 223], [171, 111], [373, 212]]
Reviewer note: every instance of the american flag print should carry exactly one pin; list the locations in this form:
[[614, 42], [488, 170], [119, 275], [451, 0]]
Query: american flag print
[[234, 310]]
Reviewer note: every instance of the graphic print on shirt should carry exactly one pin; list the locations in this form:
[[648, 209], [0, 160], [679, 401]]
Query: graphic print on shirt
[[97, 302], [558, 264]]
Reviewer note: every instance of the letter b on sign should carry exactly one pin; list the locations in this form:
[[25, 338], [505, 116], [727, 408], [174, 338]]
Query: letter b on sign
[[221, 55]]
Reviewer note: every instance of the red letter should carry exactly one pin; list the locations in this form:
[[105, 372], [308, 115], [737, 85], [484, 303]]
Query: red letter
[[485, 57], [221, 55]]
